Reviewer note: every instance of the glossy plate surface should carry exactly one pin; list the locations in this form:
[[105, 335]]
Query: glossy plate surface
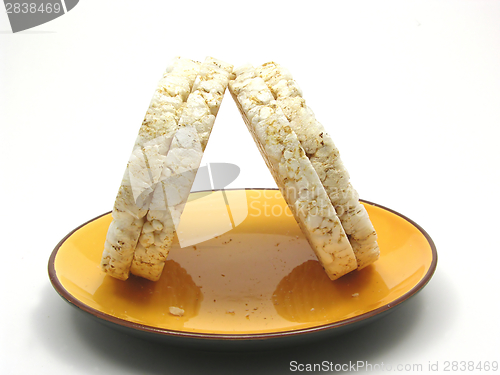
[[245, 273]]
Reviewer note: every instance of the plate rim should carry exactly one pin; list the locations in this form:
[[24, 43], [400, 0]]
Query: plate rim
[[66, 295]]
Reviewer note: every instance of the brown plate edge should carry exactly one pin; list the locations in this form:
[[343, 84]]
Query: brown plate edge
[[242, 337]]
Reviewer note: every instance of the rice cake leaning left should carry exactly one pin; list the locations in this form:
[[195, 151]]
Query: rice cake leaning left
[[180, 167], [152, 143]]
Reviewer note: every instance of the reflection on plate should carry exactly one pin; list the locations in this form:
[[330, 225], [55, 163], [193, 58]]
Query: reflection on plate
[[258, 283]]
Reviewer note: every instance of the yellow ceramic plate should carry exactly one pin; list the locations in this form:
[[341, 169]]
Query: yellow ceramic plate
[[244, 272]]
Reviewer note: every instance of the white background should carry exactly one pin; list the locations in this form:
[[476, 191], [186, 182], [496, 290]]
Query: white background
[[410, 92]]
